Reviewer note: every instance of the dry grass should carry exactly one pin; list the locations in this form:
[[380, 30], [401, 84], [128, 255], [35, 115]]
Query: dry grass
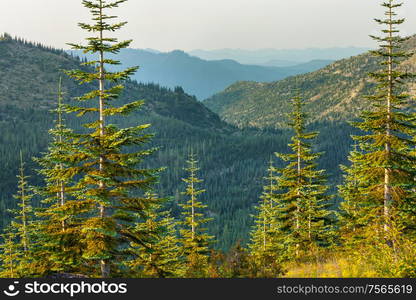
[[331, 267]]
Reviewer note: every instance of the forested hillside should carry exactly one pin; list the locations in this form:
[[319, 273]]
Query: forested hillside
[[232, 161], [334, 93], [105, 177]]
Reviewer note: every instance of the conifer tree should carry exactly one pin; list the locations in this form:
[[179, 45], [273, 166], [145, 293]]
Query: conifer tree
[[195, 240], [24, 214], [383, 166], [59, 222], [159, 255], [352, 214], [267, 243], [110, 184], [20, 237], [9, 254], [303, 197]]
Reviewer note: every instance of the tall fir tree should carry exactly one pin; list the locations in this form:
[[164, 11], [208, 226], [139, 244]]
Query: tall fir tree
[[267, 245], [24, 214], [110, 183], [20, 237], [380, 183], [303, 197], [353, 213], [195, 241], [59, 221], [10, 254], [159, 255]]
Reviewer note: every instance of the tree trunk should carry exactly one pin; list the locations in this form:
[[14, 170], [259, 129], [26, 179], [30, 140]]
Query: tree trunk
[[61, 194], [298, 194], [387, 175], [193, 206], [24, 216], [105, 268]]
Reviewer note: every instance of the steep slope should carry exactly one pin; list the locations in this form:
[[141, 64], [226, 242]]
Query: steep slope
[[30, 73], [197, 76], [334, 93]]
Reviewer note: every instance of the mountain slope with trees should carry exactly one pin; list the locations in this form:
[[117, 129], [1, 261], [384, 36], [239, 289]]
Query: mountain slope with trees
[[230, 159], [334, 93], [110, 195]]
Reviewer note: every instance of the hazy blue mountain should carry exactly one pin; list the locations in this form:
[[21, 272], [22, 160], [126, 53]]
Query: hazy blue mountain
[[279, 63], [200, 77], [278, 57]]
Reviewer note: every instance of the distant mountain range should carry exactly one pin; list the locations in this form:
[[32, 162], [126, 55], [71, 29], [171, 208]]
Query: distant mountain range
[[334, 93], [200, 77], [278, 57]]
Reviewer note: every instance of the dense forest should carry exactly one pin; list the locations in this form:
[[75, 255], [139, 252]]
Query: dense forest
[[232, 160], [109, 185]]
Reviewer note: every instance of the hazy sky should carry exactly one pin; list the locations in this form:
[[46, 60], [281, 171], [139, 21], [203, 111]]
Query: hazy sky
[[209, 24]]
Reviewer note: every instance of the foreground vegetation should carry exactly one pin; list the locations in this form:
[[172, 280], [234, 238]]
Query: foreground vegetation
[[101, 215]]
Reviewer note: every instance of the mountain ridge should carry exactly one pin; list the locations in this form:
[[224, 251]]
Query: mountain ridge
[[333, 93], [282, 57], [196, 76], [20, 60]]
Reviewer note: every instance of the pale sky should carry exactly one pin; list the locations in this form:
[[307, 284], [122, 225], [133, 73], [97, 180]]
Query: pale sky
[[209, 24]]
